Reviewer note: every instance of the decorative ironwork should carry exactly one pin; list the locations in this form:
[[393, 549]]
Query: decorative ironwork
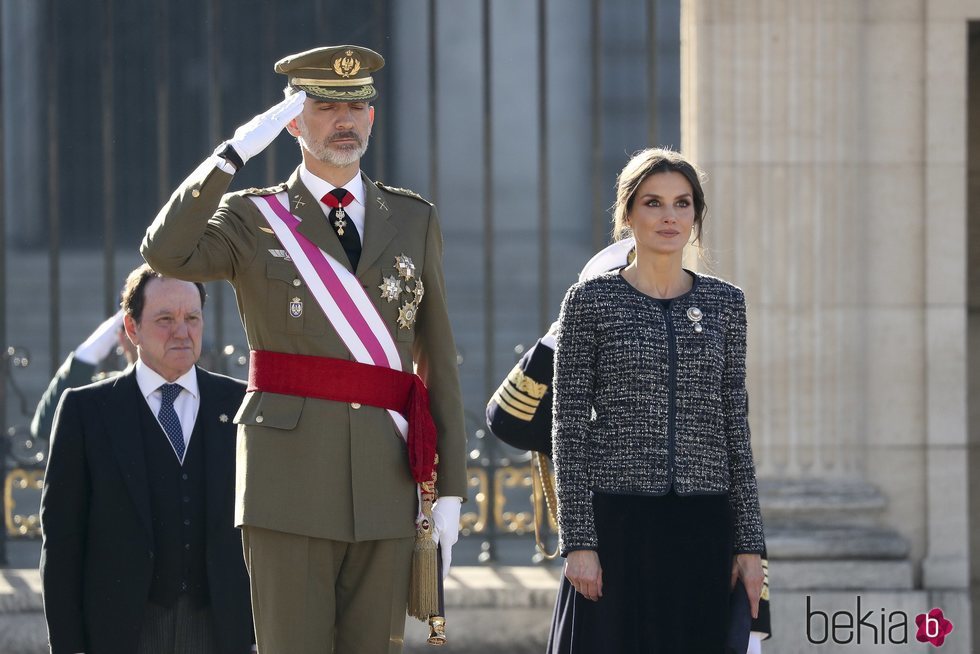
[[23, 485]]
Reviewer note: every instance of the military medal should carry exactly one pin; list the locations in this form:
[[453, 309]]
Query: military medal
[[391, 288], [418, 291], [405, 266], [406, 315], [340, 223], [695, 315], [296, 307]]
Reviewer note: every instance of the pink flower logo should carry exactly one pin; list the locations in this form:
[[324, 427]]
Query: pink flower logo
[[933, 627]]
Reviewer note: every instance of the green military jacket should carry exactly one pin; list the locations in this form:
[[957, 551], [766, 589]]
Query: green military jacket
[[307, 466]]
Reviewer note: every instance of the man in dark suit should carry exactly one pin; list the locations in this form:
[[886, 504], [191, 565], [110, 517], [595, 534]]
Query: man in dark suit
[[139, 551]]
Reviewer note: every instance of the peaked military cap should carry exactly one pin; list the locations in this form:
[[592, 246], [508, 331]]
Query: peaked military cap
[[339, 73]]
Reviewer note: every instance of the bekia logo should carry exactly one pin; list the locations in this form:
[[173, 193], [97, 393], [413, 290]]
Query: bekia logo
[[933, 627], [874, 626]]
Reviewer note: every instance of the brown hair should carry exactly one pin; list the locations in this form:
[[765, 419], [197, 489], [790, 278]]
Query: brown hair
[[134, 291], [650, 162]]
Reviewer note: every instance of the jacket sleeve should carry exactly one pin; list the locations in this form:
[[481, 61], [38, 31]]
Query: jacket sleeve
[[434, 351], [71, 374], [200, 235], [64, 524], [574, 390], [744, 493]]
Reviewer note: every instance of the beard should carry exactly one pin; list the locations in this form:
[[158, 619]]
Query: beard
[[348, 154]]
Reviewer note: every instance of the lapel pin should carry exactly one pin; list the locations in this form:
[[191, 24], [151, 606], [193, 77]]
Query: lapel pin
[[298, 201], [381, 204], [223, 417]]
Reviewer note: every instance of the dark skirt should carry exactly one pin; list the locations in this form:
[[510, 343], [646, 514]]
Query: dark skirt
[[666, 569]]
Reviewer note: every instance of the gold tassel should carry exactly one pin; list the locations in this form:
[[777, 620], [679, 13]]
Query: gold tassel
[[423, 590]]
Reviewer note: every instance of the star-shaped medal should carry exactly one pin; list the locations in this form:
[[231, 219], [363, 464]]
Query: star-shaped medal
[[406, 315], [390, 288], [405, 266]]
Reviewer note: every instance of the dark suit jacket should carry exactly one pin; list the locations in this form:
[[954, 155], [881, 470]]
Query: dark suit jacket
[[97, 549]]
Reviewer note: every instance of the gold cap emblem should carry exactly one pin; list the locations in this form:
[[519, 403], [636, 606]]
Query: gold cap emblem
[[346, 64]]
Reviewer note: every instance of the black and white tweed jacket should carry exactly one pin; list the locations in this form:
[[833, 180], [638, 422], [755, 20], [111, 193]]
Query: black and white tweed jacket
[[645, 401]]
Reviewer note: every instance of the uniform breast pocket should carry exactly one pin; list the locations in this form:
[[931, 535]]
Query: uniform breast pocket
[[291, 308]]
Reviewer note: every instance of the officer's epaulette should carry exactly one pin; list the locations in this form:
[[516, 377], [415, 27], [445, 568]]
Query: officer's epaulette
[[270, 190], [402, 191]]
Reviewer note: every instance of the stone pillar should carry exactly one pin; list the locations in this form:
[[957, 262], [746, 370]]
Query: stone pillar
[[833, 136]]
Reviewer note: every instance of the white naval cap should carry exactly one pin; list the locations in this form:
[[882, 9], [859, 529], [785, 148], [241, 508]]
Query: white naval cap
[[613, 256]]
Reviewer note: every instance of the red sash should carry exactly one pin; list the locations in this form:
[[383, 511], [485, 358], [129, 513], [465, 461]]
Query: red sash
[[340, 380]]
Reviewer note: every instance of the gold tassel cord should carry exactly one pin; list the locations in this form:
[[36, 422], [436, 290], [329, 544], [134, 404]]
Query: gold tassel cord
[[423, 591], [545, 502]]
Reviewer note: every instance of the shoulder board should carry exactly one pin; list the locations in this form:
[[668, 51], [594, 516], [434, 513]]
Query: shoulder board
[[270, 190], [402, 191]]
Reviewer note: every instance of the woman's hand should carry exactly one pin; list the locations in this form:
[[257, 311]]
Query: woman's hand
[[583, 570], [749, 568]]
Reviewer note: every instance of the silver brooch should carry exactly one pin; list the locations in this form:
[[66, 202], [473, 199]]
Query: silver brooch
[[223, 417], [695, 315]]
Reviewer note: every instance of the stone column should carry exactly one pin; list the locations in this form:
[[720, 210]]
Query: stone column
[[798, 112], [833, 135]]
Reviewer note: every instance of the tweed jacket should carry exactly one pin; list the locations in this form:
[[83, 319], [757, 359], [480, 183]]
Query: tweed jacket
[[308, 466], [644, 401]]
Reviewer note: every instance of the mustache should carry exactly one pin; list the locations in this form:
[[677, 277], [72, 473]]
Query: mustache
[[346, 135]]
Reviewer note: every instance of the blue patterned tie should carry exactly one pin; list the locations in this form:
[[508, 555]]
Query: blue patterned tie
[[168, 417]]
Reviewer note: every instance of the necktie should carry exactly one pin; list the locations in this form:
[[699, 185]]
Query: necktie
[[169, 420], [337, 199]]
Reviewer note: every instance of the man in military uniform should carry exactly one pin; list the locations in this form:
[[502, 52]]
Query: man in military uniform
[[332, 271]]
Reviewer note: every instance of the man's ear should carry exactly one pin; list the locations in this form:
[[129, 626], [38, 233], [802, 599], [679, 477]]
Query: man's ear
[[371, 113], [292, 128], [130, 326]]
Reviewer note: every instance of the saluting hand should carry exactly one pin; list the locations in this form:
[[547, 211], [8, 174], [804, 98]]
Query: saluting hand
[[583, 570], [749, 568], [255, 136]]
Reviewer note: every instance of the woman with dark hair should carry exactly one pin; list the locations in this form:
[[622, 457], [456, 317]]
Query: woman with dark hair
[[658, 507]]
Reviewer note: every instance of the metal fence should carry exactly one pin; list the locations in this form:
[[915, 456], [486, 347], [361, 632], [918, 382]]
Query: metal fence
[[129, 97]]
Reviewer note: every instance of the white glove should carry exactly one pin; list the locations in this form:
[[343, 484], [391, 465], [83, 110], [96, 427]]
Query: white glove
[[445, 527], [255, 136], [102, 341]]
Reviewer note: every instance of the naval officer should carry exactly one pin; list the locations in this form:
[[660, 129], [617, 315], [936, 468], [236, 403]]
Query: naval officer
[[340, 287]]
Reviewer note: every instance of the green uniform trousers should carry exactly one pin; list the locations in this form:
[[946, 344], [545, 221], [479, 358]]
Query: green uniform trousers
[[316, 596]]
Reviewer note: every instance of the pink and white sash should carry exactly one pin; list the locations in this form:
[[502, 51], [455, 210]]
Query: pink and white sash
[[338, 292]]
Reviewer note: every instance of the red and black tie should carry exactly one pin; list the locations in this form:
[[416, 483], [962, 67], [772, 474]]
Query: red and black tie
[[337, 199]]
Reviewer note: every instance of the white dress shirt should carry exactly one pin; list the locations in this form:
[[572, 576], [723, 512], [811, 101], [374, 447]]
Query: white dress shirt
[[320, 187], [186, 404]]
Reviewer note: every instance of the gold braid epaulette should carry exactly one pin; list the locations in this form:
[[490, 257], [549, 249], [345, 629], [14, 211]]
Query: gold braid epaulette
[[269, 190], [402, 191]]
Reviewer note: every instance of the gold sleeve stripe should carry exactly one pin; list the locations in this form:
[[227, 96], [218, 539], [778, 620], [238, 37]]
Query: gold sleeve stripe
[[517, 406], [518, 400], [518, 395], [517, 413]]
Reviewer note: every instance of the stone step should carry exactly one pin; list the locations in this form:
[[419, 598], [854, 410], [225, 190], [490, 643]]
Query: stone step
[[807, 540]]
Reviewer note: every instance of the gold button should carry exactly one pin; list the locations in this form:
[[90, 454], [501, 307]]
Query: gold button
[[297, 282], [355, 405], [196, 193], [259, 418]]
